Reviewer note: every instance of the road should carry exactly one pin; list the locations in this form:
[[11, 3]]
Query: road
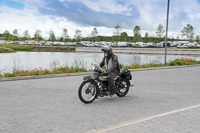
[[161, 101]]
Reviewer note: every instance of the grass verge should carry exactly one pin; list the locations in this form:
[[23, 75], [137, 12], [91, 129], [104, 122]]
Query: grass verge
[[6, 50], [79, 67], [17, 47]]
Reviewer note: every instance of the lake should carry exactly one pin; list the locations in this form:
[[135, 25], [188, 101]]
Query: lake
[[31, 60]]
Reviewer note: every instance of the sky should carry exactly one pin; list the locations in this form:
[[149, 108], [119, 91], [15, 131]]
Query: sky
[[104, 15]]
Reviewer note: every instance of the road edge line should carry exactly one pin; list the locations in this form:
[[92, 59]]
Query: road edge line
[[146, 119]]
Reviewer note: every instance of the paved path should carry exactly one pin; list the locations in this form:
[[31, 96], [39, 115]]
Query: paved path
[[162, 101]]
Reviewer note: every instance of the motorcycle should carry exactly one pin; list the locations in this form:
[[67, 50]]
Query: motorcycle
[[96, 84]]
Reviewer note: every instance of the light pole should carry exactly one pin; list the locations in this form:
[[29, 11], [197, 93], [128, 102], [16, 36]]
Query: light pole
[[166, 33]]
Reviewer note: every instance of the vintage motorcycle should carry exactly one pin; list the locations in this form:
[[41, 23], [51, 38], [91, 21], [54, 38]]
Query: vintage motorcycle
[[96, 85]]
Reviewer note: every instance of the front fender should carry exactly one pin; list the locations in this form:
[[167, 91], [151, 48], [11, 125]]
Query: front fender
[[93, 82], [89, 80]]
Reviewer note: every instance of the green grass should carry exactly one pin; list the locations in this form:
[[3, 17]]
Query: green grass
[[55, 48], [6, 50], [136, 66], [44, 72], [176, 62], [17, 47]]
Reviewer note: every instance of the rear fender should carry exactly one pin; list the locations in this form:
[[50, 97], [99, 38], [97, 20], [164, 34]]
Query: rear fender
[[129, 84]]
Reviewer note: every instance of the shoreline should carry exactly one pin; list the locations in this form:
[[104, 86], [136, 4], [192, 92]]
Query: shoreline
[[159, 51], [85, 73]]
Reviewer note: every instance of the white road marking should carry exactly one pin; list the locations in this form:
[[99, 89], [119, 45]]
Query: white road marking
[[146, 119]]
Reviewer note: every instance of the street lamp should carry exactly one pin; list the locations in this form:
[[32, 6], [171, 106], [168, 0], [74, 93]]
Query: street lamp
[[166, 33]]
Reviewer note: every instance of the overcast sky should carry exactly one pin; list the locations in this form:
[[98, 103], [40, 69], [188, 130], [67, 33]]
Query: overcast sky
[[104, 15]]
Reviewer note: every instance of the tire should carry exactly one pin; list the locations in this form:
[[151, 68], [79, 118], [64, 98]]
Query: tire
[[87, 92], [123, 88]]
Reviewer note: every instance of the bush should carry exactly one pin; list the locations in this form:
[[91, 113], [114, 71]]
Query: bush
[[172, 63], [9, 75], [183, 61], [25, 73]]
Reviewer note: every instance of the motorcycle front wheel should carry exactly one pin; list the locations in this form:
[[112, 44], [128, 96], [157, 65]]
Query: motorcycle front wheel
[[123, 88], [87, 92]]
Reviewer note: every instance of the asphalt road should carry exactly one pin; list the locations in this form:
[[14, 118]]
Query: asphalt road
[[161, 101]]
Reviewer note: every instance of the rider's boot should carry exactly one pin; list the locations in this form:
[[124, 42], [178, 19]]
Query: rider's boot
[[113, 91]]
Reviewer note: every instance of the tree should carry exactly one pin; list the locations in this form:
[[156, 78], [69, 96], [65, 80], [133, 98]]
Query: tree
[[116, 33], [94, 32], [15, 35], [61, 39], [124, 36], [136, 32], [160, 31], [37, 35], [117, 30], [65, 35], [10, 37], [52, 36], [6, 35], [146, 37], [78, 35], [198, 38], [26, 35], [188, 32], [177, 38]]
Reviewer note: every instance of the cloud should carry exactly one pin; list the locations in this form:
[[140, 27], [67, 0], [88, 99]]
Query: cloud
[[109, 6], [28, 19], [81, 14], [103, 14]]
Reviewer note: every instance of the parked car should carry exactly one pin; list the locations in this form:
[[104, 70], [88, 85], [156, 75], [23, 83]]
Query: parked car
[[182, 46]]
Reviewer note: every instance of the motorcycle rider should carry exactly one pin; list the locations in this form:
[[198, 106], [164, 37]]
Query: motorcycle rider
[[111, 63]]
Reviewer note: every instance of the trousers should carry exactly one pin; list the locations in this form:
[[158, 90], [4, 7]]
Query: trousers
[[111, 77]]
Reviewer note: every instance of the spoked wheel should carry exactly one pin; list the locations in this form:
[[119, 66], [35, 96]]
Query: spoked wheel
[[123, 88], [87, 92]]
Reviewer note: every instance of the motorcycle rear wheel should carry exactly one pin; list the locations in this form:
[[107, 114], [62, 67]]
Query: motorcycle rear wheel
[[87, 92], [123, 89]]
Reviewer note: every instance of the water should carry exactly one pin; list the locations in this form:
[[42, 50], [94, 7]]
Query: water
[[31, 60]]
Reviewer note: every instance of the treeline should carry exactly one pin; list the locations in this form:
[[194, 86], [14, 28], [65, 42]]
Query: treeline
[[118, 35]]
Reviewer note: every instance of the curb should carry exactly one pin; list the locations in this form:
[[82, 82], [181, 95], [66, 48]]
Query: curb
[[168, 67], [42, 76], [86, 73]]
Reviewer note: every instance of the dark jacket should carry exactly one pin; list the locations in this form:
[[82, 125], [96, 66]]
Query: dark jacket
[[115, 64]]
